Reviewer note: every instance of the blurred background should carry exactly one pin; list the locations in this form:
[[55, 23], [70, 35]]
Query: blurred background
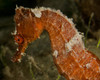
[[38, 63]]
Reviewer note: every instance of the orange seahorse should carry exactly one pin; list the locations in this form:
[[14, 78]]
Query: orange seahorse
[[72, 59]]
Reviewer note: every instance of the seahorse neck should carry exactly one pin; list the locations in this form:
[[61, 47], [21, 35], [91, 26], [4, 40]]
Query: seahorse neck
[[62, 32]]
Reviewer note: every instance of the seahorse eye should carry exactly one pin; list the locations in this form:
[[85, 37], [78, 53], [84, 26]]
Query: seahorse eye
[[19, 39]]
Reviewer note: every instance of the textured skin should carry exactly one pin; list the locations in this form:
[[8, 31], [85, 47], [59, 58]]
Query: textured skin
[[73, 62]]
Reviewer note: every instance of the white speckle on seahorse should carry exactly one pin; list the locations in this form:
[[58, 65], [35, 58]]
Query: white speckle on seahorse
[[62, 27], [16, 43], [37, 12], [55, 53], [23, 54], [19, 60], [88, 65], [75, 40], [17, 49], [16, 6], [68, 47], [82, 34], [14, 33]]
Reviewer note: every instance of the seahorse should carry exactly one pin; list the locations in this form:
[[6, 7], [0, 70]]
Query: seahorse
[[70, 56]]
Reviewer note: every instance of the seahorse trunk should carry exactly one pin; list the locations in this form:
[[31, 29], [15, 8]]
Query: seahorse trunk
[[73, 61]]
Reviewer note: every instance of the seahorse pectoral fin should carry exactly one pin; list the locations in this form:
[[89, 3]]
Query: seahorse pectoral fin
[[20, 52]]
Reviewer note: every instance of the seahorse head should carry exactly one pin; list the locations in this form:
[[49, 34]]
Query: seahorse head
[[28, 29]]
